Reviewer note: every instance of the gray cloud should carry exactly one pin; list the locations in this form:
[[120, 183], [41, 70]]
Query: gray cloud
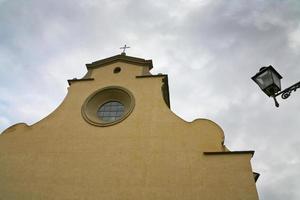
[[210, 49]]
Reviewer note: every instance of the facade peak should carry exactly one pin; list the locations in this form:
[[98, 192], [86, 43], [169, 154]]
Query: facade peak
[[123, 58]]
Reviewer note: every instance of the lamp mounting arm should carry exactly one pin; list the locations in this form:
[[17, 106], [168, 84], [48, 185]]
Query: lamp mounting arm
[[287, 92]]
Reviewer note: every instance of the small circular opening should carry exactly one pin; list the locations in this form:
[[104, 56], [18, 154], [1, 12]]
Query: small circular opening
[[117, 70]]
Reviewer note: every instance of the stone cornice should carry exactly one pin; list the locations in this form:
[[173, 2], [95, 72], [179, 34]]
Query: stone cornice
[[152, 76], [228, 152], [70, 81]]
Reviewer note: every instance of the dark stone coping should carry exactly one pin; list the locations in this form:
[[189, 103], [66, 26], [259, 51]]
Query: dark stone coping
[[75, 80], [228, 152], [152, 76], [256, 176], [120, 57]]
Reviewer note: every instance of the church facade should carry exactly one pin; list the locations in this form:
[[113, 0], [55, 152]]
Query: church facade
[[115, 137]]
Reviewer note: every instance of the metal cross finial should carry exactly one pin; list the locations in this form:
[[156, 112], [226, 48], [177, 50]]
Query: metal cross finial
[[124, 48]]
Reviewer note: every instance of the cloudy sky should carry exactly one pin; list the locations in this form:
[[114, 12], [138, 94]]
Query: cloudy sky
[[209, 48]]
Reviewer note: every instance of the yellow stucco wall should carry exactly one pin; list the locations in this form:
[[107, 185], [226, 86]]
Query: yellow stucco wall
[[152, 154]]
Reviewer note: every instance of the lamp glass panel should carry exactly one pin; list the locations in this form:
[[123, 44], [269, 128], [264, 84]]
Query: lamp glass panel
[[276, 80], [264, 79]]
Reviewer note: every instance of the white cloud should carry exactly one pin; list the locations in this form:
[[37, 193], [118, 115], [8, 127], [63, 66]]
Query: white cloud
[[294, 39]]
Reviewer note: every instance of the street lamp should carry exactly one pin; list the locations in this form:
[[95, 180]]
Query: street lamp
[[268, 79]]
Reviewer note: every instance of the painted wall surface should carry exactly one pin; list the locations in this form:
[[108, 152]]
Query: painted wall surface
[[152, 154]]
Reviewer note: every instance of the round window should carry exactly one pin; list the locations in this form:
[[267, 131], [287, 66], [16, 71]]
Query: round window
[[111, 111], [108, 106]]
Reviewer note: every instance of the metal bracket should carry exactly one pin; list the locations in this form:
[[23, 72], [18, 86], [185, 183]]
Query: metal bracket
[[286, 92]]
